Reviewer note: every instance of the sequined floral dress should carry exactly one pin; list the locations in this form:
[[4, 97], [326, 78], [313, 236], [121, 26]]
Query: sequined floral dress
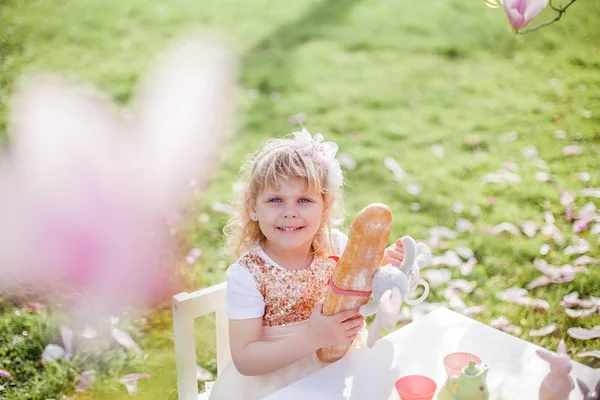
[[289, 298]]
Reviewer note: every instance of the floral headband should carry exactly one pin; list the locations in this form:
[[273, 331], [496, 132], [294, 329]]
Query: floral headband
[[320, 152]]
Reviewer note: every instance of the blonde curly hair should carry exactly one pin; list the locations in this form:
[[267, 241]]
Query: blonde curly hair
[[276, 162]]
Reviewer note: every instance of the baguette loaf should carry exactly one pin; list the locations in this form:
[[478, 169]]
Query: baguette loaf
[[352, 277]]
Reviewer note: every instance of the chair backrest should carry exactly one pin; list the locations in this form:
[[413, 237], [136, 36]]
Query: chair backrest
[[186, 308]]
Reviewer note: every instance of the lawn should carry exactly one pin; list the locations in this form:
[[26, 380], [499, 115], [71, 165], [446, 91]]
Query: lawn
[[443, 87]]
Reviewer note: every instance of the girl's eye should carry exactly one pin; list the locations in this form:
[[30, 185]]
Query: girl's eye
[[305, 200], [275, 200]]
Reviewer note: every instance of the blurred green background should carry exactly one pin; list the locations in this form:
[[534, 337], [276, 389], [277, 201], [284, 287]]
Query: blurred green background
[[381, 78]]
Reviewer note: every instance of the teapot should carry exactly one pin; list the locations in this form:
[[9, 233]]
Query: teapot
[[470, 386]]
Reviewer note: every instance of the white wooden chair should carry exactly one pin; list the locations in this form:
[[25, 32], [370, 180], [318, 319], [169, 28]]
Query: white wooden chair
[[186, 308]]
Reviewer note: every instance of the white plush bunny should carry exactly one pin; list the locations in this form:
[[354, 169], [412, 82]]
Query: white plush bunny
[[558, 383], [392, 285]]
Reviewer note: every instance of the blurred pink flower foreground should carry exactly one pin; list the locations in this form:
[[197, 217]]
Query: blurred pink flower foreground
[[86, 194]]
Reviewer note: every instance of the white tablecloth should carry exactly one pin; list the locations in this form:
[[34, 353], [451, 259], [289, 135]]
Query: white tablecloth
[[418, 348]]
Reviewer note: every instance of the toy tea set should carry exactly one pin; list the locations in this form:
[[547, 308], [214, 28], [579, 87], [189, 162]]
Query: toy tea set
[[469, 381], [358, 275], [466, 381]]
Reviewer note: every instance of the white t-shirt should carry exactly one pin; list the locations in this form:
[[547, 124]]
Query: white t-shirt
[[243, 299]]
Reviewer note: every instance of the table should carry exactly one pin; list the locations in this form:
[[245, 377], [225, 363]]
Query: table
[[418, 348]]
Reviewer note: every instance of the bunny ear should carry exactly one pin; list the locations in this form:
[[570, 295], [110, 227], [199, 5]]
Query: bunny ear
[[546, 355], [562, 349], [410, 253], [583, 387], [424, 255]]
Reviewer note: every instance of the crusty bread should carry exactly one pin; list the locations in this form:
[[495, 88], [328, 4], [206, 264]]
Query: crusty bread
[[367, 240]]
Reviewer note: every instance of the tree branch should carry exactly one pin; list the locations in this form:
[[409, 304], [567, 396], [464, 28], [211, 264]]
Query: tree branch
[[560, 11]]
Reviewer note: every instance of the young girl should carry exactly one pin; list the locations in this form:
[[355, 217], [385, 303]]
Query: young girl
[[275, 289]]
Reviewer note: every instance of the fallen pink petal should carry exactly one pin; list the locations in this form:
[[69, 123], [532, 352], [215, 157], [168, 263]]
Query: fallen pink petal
[[393, 165], [503, 323], [580, 313], [125, 340], [464, 252], [545, 249], [581, 246], [501, 176], [530, 152], [591, 353], [347, 161], [449, 259], [462, 285], [584, 334], [583, 176], [442, 232], [130, 381], [511, 293], [203, 374], [456, 303], [542, 176], [464, 225], [193, 255], [5, 374], [538, 304], [413, 188], [566, 198], [473, 310], [572, 300], [67, 338], [506, 227], [510, 136], [586, 260], [560, 134], [85, 381], [467, 267], [529, 228], [542, 331], [572, 150], [437, 151], [52, 353], [510, 165], [539, 282], [590, 192], [558, 274], [436, 277], [579, 226]]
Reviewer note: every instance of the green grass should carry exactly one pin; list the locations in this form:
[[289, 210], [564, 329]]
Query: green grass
[[381, 78]]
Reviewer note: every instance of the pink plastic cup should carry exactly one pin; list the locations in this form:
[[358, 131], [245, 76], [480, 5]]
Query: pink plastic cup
[[454, 362], [415, 387]]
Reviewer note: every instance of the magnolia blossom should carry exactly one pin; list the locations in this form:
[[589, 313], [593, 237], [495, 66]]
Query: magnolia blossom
[[85, 194], [521, 12]]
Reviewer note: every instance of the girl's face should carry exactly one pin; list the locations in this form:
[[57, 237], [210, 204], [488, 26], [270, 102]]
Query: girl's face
[[289, 217]]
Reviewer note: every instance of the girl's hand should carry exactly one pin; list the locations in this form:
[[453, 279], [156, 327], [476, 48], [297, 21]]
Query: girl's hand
[[394, 254], [341, 328]]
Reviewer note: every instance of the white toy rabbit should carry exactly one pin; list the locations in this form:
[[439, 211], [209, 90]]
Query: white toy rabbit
[[392, 285], [558, 383]]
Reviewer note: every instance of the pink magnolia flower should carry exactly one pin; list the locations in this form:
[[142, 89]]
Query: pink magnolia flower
[[521, 12]]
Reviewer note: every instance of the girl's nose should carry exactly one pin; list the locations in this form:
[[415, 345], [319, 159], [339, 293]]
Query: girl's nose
[[289, 213]]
